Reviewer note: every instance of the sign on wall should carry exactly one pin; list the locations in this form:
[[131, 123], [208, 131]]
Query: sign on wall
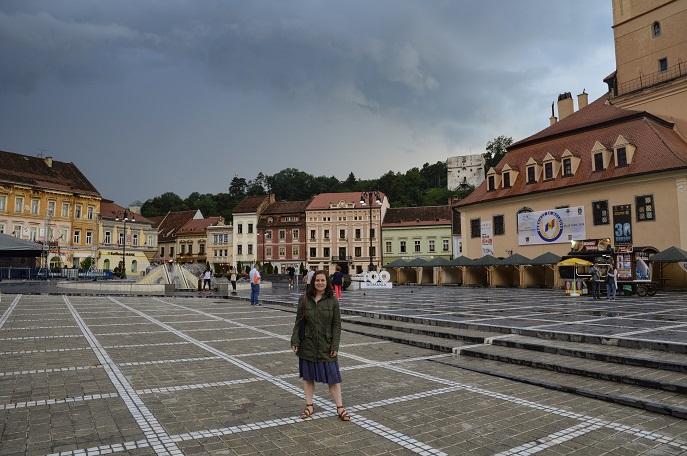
[[551, 227], [622, 225], [487, 238]]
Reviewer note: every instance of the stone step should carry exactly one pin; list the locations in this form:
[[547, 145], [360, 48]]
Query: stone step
[[622, 373]]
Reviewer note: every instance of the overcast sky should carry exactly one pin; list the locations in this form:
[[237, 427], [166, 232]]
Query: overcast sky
[[147, 97]]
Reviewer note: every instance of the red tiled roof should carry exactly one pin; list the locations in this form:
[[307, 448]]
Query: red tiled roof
[[251, 204], [172, 222], [658, 148], [286, 207], [35, 172], [417, 216], [108, 209], [323, 200], [197, 226]]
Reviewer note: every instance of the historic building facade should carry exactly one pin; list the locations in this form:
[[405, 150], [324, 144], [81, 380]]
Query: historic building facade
[[416, 232], [245, 222], [281, 235]]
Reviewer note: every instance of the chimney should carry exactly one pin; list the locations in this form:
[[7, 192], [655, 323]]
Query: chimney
[[565, 105], [582, 100], [48, 161], [552, 119]]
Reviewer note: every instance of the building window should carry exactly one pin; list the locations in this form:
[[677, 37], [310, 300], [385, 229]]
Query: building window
[[33, 233], [663, 65], [312, 234], [373, 251], [326, 251], [250, 228], [19, 204], [77, 211], [388, 246], [2, 228], [342, 234], [445, 245], [313, 252], [598, 161], [403, 246], [250, 249], [506, 180], [51, 208], [150, 240], [171, 252], [656, 29], [282, 252], [530, 175], [645, 208], [108, 237], [295, 251], [16, 231], [282, 234], [77, 236], [326, 234], [548, 170], [65, 209], [35, 206], [89, 213], [183, 249], [294, 234], [567, 167], [268, 252], [134, 240], [3, 203], [491, 185], [600, 213], [89, 237], [268, 234], [621, 153], [499, 225], [475, 229], [431, 245], [239, 228], [358, 252], [417, 246], [239, 249], [372, 233], [357, 233]]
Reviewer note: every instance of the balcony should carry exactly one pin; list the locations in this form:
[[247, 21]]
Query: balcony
[[342, 258], [652, 79]]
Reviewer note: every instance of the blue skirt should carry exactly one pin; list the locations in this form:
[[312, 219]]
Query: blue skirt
[[320, 372]]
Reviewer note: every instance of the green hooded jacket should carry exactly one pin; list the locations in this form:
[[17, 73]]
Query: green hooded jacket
[[322, 329]]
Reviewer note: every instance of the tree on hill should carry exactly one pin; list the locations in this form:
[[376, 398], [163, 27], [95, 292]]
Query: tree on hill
[[162, 204], [496, 150]]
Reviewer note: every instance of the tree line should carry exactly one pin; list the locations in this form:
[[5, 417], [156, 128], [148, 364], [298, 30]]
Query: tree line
[[426, 186]]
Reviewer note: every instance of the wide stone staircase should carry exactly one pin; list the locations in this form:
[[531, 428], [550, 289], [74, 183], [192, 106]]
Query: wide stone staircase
[[631, 372]]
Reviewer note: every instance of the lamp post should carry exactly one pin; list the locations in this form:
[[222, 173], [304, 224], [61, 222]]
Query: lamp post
[[369, 195], [124, 217]]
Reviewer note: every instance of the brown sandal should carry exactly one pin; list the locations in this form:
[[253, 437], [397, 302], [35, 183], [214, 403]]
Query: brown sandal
[[343, 414], [307, 413]]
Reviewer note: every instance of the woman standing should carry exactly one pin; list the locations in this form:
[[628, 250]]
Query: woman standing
[[232, 279], [318, 349], [611, 282]]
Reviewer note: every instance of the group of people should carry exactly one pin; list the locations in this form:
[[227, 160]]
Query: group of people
[[611, 280]]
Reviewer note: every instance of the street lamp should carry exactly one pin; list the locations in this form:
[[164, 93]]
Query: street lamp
[[369, 195], [125, 214]]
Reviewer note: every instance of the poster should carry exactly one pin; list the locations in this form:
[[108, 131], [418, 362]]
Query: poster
[[622, 225], [642, 270], [556, 226], [487, 238], [624, 266]]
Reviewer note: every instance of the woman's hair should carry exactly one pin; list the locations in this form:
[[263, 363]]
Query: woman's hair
[[328, 291], [338, 268]]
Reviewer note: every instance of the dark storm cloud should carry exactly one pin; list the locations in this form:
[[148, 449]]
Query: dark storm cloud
[[456, 73]]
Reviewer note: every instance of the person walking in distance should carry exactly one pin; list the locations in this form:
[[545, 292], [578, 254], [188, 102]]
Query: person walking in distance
[[232, 279], [254, 276], [308, 278], [292, 273], [337, 281], [596, 281], [317, 343], [207, 279], [611, 282]]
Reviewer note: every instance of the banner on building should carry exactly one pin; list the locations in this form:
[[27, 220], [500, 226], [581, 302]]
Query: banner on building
[[487, 238], [552, 227], [622, 225]]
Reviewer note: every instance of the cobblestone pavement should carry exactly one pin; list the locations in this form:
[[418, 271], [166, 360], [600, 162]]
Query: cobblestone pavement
[[190, 374]]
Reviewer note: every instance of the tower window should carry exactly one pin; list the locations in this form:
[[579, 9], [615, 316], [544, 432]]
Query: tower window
[[663, 65], [656, 28]]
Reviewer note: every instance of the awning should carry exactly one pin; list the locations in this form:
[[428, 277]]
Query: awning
[[515, 260], [670, 255], [11, 246]]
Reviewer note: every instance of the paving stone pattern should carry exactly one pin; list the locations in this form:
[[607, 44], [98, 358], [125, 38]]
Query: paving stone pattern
[[189, 374]]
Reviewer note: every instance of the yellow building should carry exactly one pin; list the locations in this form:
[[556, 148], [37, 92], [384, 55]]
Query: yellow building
[[50, 202]]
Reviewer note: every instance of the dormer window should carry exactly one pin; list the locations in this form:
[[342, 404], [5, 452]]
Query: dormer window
[[491, 186], [506, 180], [656, 29], [531, 175], [598, 161], [548, 170], [567, 167], [621, 154]]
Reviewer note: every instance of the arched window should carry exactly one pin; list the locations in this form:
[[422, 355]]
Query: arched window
[[522, 210], [55, 262], [656, 28], [106, 265]]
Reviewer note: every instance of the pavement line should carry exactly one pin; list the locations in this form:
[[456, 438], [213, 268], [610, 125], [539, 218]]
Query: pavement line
[[48, 371], [26, 352], [88, 397], [168, 361], [169, 389], [151, 428], [644, 331], [377, 428], [146, 345], [42, 337], [38, 327], [551, 440], [134, 333], [9, 310]]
